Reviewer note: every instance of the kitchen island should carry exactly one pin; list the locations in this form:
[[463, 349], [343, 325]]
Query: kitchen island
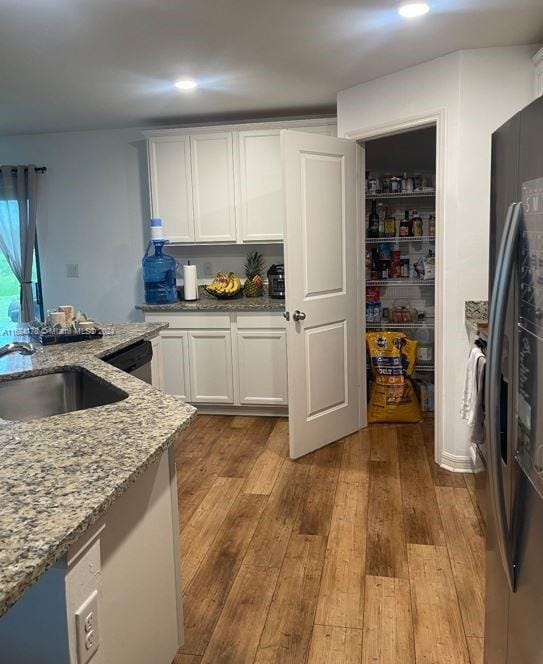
[[88, 501]]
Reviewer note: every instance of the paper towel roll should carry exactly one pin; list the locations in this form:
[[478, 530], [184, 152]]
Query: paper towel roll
[[190, 282]]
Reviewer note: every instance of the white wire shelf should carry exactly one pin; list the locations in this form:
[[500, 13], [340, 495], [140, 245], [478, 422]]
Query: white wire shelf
[[419, 368], [410, 194], [400, 282], [385, 325], [393, 240]]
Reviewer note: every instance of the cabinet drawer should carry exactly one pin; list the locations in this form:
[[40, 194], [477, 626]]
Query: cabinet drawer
[[189, 321], [262, 320]]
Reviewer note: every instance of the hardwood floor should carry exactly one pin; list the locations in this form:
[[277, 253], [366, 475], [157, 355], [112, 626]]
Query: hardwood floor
[[364, 552]]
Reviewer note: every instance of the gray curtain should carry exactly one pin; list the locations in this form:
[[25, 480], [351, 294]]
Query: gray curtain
[[18, 204]]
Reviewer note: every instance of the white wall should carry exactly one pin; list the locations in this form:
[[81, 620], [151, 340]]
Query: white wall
[[477, 91], [94, 212], [224, 258]]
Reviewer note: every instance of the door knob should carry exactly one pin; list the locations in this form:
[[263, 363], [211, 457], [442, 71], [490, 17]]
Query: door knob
[[298, 315]]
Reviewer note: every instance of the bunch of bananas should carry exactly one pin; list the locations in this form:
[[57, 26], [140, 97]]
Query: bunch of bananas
[[225, 284]]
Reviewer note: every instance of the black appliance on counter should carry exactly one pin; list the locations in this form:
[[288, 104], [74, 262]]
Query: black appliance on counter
[[513, 454], [276, 281]]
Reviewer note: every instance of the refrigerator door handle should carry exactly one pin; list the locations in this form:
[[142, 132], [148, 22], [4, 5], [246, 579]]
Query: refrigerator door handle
[[498, 309]]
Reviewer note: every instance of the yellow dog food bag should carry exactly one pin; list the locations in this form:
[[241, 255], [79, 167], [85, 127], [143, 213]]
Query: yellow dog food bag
[[392, 356], [392, 397]]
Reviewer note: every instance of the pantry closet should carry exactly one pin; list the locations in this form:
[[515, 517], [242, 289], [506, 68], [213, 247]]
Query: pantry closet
[[400, 245]]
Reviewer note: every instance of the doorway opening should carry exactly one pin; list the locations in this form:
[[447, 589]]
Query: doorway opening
[[401, 255]]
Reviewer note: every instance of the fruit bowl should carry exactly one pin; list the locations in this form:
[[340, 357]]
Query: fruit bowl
[[224, 296], [225, 286]]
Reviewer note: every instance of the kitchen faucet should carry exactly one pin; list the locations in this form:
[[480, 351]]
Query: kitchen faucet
[[17, 347]]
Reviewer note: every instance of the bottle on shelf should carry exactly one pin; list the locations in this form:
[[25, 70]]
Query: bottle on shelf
[[381, 225], [373, 222], [405, 229], [390, 226], [416, 224], [395, 267], [395, 185]]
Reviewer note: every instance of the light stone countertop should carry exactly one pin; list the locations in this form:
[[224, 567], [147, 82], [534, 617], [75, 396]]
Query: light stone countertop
[[59, 474], [476, 313], [209, 303]]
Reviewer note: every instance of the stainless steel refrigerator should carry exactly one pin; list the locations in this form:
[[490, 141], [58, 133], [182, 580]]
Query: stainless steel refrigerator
[[513, 451]]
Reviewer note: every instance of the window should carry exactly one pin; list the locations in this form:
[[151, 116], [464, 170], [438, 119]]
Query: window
[[9, 284]]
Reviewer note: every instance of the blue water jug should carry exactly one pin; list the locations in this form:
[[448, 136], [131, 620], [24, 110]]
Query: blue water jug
[[159, 272]]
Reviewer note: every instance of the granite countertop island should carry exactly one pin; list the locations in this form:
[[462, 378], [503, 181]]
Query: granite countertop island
[[476, 316], [59, 474], [207, 302]]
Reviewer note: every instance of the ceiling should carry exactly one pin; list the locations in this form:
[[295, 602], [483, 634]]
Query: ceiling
[[84, 64]]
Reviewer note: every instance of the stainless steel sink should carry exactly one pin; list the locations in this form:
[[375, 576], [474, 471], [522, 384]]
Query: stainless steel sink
[[54, 393]]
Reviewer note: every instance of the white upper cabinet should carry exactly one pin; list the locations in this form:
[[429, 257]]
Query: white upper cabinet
[[222, 184], [171, 186], [260, 185], [212, 158]]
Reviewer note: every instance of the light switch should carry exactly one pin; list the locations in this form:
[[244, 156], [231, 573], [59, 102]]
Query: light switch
[[72, 270]]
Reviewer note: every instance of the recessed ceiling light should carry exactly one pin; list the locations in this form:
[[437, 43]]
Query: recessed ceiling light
[[186, 84], [412, 9]]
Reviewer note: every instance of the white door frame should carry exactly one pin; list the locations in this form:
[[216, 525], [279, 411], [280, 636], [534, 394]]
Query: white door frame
[[410, 123]]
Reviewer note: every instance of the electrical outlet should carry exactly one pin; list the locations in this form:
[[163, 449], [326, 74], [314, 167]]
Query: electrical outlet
[[86, 628], [72, 270], [208, 269]]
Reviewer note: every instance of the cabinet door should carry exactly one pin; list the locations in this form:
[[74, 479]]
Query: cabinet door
[[156, 363], [262, 367], [175, 363], [211, 378], [260, 185], [212, 161], [171, 186]]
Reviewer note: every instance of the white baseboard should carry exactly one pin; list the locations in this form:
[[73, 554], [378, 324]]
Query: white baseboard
[[255, 411], [456, 463]]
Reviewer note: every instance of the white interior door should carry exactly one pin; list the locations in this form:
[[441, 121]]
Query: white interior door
[[322, 263]]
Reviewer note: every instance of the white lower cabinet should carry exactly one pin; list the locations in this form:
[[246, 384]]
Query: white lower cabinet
[[262, 367], [156, 363], [221, 359], [210, 360], [175, 363]]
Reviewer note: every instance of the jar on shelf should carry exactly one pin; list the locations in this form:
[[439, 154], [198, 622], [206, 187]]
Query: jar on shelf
[[395, 185], [431, 225]]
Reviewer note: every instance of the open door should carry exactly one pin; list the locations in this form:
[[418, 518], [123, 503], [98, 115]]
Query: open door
[[322, 264]]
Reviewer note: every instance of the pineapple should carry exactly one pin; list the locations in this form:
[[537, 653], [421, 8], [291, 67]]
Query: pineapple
[[254, 286]]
